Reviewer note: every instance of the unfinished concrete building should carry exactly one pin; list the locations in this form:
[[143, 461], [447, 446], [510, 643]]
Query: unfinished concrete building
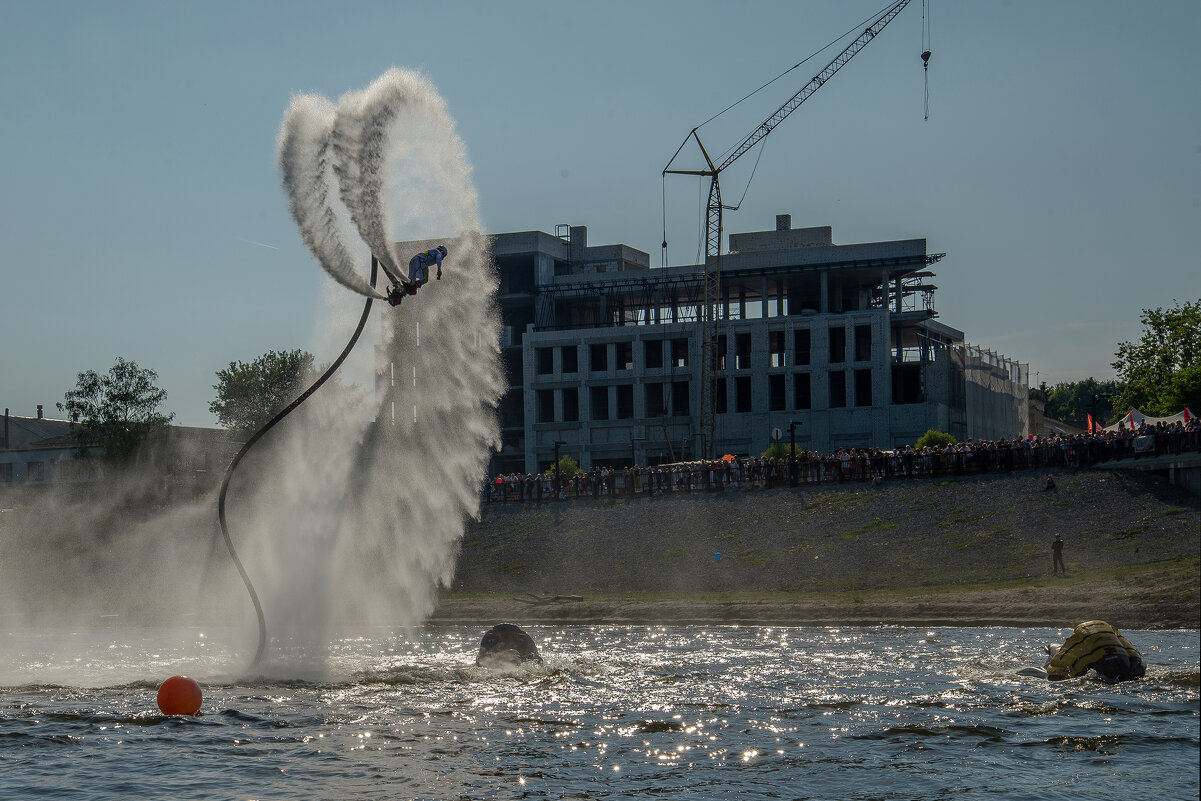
[[835, 345]]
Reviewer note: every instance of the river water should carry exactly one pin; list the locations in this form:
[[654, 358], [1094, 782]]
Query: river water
[[617, 712]]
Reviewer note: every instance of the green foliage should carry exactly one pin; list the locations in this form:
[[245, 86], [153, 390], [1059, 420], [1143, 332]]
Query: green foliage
[[934, 439], [118, 411], [1182, 389], [1072, 401], [1161, 372], [250, 394], [778, 450], [568, 468]]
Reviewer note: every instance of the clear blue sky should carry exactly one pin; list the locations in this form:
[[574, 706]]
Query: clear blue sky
[[141, 213]]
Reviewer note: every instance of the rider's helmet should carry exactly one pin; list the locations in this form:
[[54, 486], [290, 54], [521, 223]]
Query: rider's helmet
[[443, 249]]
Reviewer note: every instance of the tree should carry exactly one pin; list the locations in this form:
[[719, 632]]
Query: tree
[[568, 468], [1183, 389], [1161, 372], [250, 394], [1072, 401], [935, 439], [117, 411], [778, 450]]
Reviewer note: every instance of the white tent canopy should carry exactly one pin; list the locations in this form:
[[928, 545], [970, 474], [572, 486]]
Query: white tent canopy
[[1134, 418]]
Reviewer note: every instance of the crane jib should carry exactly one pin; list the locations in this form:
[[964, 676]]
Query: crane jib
[[814, 84], [713, 221]]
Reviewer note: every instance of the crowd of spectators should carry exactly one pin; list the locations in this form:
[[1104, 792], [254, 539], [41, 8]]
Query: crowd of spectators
[[731, 474]]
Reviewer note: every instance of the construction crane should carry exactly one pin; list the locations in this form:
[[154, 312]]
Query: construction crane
[[713, 228]]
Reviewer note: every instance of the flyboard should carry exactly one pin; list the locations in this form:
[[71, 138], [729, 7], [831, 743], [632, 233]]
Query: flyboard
[[400, 287], [398, 291]]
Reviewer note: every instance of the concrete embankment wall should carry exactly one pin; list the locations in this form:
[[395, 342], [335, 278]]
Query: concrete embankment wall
[[1181, 470], [834, 538]]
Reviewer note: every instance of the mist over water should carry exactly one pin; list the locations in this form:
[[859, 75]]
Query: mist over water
[[342, 523]]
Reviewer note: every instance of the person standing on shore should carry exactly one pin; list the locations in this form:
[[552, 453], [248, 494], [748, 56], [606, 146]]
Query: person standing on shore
[[1057, 554]]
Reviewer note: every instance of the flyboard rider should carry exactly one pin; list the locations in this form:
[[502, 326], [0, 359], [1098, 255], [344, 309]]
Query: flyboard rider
[[419, 274]]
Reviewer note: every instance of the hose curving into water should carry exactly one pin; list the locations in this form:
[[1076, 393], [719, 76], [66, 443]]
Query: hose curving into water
[[258, 607]]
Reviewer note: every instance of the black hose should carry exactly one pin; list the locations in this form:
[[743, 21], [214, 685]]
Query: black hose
[[258, 607]]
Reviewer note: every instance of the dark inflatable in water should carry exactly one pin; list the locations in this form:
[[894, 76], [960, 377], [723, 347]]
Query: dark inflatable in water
[[1099, 647], [507, 645]]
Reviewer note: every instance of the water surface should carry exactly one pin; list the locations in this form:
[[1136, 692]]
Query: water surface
[[616, 712]]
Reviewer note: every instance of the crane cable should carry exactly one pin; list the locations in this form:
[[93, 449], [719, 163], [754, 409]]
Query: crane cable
[[854, 29], [748, 96], [926, 58], [254, 598]]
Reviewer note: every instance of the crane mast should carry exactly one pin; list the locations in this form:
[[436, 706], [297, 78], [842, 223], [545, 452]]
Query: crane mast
[[713, 218]]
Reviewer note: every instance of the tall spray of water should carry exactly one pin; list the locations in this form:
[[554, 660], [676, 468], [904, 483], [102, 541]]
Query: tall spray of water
[[305, 163], [354, 524], [359, 140]]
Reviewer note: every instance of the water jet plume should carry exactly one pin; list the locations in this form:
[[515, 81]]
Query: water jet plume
[[349, 524], [304, 161]]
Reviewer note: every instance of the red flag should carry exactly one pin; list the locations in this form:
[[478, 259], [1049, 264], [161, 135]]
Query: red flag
[[1092, 427], [1188, 416]]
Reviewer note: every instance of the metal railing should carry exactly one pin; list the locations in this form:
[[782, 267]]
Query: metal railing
[[862, 465]]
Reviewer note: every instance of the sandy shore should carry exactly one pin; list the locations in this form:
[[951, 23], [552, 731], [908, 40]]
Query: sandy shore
[[1151, 597]]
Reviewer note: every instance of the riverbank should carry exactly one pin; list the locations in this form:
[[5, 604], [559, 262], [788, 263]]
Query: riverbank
[[965, 552], [1157, 596]]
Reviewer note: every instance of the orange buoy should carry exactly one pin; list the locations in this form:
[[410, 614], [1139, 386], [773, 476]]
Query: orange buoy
[[179, 695]]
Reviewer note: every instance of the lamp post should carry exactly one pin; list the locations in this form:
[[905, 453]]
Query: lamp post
[[792, 452], [558, 480]]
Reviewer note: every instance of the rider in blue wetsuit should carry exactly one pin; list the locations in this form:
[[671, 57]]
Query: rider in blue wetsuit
[[419, 273]]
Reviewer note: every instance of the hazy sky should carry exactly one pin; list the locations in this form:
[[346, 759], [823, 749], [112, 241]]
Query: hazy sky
[[141, 213]]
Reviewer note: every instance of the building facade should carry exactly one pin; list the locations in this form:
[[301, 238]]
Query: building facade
[[831, 345], [40, 452]]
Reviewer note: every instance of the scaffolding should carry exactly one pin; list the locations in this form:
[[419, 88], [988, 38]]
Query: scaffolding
[[663, 297], [998, 393]]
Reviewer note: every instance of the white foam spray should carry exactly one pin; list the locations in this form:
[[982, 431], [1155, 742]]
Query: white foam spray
[[358, 140], [307, 172]]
